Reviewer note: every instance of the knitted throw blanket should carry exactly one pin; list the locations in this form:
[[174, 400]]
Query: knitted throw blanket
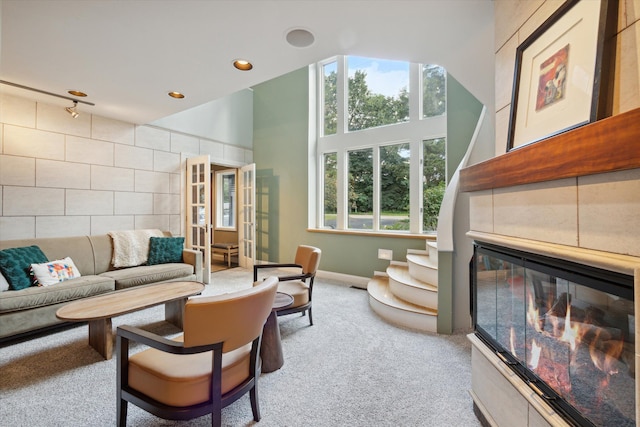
[[131, 247]]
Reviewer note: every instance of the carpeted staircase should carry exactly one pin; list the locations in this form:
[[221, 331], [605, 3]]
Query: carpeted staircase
[[407, 293]]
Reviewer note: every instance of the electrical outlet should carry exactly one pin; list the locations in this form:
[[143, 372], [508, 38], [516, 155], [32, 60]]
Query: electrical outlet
[[385, 254]]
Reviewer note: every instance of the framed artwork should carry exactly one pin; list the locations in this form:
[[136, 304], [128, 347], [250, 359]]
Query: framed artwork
[[559, 77]]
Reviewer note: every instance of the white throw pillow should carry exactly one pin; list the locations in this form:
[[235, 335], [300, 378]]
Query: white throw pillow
[[4, 285], [50, 273]]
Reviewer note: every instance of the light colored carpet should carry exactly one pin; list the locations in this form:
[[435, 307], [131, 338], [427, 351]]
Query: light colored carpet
[[349, 369]]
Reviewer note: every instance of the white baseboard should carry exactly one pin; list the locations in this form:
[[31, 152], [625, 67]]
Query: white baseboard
[[357, 281]]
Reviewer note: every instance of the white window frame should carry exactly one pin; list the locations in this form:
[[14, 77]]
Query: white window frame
[[219, 177]]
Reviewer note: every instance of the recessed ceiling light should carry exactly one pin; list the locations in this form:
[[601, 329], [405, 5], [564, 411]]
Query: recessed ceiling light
[[299, 37], [177, 95], [76, 93], [242, 64]]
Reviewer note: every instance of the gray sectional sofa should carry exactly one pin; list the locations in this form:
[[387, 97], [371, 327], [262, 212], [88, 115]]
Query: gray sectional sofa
[[31, 309]]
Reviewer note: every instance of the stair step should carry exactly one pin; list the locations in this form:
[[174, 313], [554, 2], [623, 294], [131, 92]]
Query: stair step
[[411, 289], [432, 247], [423, 268], [399, 312]]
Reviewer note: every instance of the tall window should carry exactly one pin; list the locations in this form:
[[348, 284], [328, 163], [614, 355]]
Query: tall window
[[381, 154], [226, 199]]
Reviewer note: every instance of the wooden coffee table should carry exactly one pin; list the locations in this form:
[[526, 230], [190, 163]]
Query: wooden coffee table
[[99, 310]]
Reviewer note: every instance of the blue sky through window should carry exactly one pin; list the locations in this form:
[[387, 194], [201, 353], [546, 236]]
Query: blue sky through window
[[384, 76]]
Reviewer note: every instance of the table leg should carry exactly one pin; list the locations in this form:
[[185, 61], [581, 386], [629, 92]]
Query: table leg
[[271, 347], [101, 337], [174, 312]]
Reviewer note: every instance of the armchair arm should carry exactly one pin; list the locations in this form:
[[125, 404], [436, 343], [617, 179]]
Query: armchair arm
[[193, 257], [262, 266], [302, 277], [161, 343]]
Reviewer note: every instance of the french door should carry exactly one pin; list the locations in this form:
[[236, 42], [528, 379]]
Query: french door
[[247, 220], [198, 212]]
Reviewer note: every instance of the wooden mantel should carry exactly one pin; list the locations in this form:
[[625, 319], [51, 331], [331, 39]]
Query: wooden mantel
[[608, 145]]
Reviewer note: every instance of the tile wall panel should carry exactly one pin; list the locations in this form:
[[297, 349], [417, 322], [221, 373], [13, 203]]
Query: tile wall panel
[[111, 130], [166, 162], [609, 212], [185, 144], [17, 227], [175, 225], [213, 149], [18, 111], [133, 203], [108, 178], [160, 222], [89, 202], [85, 150], [505, 63], [133, 157], [104, 224], [151, 182], [156, 139], [26, 142], [32, 201], [236, 154], [481, 208], [175, 183], [52, 173], [626, 95], [60, 226], [15, 170], [166, 204], [541, 211], [55, 118]]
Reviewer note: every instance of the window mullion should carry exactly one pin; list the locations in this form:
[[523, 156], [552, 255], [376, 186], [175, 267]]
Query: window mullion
[[341, 95], [376, 188], [415, 187], [341, 190]]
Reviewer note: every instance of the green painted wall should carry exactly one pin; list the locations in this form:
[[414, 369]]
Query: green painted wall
[[280, 151]]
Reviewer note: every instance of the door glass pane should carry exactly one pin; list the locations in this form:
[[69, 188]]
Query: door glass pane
[[434, 182], [201, 173], [194, 173], [201, 193], [394, 187], [330, 199], [361, 189], [378, 92]]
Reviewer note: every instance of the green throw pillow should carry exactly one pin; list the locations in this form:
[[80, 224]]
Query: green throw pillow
[[165, 249], [15, 264]]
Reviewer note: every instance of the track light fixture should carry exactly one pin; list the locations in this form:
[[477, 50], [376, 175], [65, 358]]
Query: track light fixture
[[72, 110]]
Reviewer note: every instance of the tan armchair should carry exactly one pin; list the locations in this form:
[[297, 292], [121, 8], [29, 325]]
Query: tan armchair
[[300, 285], [214, 363]]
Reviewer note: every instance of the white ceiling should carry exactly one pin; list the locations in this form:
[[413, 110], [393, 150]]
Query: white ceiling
[[127, 54]]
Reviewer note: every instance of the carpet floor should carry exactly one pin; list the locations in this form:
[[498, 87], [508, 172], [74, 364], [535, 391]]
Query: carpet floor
[[349, 369]]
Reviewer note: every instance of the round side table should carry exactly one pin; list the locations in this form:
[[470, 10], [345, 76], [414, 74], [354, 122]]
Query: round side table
[[271, 348]]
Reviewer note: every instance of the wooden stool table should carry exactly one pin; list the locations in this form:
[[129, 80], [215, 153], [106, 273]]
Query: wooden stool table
[[271, 347], [226, 249], [99, 310]]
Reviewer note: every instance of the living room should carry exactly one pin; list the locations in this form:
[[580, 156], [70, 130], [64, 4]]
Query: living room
[[76, 171]]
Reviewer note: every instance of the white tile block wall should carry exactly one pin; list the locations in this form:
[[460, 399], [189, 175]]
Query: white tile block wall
[[111, 130], [236, 154], [133, 157], [18, 111], [133, 203], [89, 202], [85, 150], [166, 204], [104, 224], [160, 222], [166, 162], [156, 139], [214, 149], [481, 204], [55, 118], [53, 173], [609, 212], [108, 178], [20, 141], [60, 226], [1, 191], [151, 182], [542, 211], [185, 144], [175, 183], [15, 170], [175, 225], [32, 201], [17, 227]]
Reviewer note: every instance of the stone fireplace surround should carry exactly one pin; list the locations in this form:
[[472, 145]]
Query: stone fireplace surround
[[575, 196]]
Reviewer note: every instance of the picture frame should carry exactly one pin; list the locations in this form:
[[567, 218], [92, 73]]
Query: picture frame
[[562, 72]]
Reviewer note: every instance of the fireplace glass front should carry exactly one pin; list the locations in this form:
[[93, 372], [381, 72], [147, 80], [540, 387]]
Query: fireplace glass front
[[567, 329]]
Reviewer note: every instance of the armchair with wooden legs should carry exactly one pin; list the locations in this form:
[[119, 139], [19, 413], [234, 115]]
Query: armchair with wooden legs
[[215, 362], [300, 284]]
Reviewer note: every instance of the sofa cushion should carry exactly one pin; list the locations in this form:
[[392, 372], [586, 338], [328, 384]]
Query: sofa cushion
[[4, 285], [142, 275], [15, 263], [50, 273], [164, 250], [69, 290]]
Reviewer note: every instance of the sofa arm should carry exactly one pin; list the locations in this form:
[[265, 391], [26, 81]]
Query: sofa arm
[[193, 257]]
